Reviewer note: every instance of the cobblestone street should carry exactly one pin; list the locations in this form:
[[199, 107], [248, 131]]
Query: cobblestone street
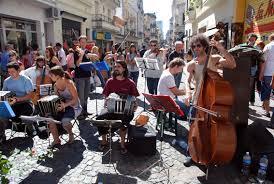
[[81, 162]]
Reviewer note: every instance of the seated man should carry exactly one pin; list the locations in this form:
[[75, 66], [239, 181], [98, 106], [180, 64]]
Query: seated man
[[167, 85], [22, 87], [120, 84]]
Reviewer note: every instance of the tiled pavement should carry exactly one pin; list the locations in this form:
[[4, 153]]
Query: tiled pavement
[[81, 162]]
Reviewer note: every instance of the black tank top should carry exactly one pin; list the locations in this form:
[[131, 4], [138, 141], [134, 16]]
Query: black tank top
[[51, 64]]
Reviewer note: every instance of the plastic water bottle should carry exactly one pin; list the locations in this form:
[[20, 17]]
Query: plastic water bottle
[[261, 176], [246, 164], [181, 143]]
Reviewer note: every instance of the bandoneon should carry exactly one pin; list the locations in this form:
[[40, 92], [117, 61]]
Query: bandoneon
[[121, 104], [48, 105]]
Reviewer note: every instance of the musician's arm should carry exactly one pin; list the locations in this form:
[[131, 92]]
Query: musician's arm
[[177, 92], [190, 72], [56, 61], [24, 98], [228, 61], [80, 57]]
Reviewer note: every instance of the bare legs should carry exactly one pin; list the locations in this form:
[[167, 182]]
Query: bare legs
[[54, 131]]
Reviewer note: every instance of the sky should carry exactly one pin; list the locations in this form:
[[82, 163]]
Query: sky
[[162, 8]]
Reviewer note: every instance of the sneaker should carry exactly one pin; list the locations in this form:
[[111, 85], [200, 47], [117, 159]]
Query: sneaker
[[188, 161]]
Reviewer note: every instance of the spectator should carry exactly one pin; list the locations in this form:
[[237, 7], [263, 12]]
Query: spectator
[[266, 73], [52, 60], [4, 61], [61, 55], [178, 52], [131, 63]]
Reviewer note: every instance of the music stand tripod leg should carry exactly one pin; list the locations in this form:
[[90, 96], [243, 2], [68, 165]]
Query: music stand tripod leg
[[160, 161]]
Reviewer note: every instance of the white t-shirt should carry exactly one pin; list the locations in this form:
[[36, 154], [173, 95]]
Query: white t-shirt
[[31, 73], [269, 59], [166, 82], [62, 55]]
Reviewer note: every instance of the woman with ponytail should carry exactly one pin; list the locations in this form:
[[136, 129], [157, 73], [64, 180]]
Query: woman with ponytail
[[70, 106]]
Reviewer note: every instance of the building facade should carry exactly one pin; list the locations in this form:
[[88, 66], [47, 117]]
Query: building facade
[[150, 28], [19, 27], [104, 32], [178, 14]]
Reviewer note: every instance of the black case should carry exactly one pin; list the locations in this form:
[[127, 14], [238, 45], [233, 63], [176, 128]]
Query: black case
[[142, 140]]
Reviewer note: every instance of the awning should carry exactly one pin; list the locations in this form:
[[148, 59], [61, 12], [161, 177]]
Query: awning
[[210, 32]]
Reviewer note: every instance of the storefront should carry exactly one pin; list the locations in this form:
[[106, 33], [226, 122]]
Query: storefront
[[259, 18], [19, 33], [70, 31], [103, 39]]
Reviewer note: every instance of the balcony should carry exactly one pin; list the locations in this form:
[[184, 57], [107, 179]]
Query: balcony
[[103, 22]]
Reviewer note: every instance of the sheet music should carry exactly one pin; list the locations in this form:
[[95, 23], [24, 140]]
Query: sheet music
[[39, 118], [45, 89], [152, 64], [147, 63], [4, 93], [141, 63]]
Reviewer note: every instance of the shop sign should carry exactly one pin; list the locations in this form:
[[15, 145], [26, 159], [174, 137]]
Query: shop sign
[[259, 17], [107, 35], [100, 36]]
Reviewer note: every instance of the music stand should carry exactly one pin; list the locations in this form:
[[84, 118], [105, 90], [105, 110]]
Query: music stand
[[163, 104], [146, 64], [109, 124]]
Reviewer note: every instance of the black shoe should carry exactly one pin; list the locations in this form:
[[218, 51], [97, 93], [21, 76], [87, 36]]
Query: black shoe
[[188, 161], [267, 114]]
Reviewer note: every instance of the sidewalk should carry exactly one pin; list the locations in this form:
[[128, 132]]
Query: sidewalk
[[81, 162]]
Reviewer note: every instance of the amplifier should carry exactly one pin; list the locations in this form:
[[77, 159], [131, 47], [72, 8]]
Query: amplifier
[[142, 140]]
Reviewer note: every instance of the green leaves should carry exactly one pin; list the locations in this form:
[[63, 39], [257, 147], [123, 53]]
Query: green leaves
[[5, 167]]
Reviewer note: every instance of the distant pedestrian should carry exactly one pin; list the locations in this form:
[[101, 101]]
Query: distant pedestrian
[[266, 74], [178, 52]]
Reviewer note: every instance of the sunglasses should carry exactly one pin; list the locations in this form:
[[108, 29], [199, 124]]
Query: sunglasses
[[153, 45], [198, 46]]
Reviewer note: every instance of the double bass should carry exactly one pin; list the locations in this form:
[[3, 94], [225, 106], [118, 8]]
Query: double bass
[[212, 136]]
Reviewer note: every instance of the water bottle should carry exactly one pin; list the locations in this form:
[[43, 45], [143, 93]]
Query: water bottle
[[246, 164], [262, 169]]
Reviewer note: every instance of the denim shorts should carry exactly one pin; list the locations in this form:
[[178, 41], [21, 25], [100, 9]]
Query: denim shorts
[[66, 116], [266, 88]]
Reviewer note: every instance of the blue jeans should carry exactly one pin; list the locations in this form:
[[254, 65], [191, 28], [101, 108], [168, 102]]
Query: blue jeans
[[83, 89], [184, 108], [178, 78], [134, 76], [266, 88], [152, 84]]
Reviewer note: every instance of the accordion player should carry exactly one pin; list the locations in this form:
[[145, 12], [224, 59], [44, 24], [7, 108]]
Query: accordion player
[[120, 107], [68, 108]]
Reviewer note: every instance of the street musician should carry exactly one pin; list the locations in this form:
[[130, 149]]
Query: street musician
[[22, 87], [119, 84]]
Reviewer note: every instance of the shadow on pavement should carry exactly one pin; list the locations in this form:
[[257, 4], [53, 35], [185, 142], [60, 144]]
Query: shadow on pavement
[[20, 143], [63, 160], [114, 179], [87, 132]]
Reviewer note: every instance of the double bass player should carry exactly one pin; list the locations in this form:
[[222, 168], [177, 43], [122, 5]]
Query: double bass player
[[200, 46]]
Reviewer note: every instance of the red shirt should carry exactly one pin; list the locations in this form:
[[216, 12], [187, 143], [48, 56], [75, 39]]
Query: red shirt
[[126, 87]]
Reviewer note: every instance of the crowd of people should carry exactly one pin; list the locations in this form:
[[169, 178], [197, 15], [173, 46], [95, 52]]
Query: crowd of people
[[63, 70]]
